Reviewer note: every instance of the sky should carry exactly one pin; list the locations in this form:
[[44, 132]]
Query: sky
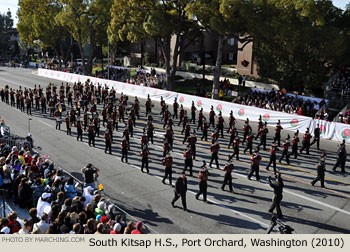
[[12, 4]]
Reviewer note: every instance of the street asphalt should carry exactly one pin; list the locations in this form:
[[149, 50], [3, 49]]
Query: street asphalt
[[307, 209]]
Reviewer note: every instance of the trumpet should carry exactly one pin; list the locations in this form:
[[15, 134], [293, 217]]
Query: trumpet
[[60, 108], [95, 101], [78, 104]]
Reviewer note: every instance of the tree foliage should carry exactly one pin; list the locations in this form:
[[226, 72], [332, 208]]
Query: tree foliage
[[166, 21]]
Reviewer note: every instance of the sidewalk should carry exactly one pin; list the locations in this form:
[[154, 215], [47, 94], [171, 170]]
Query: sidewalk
[[188, 75]]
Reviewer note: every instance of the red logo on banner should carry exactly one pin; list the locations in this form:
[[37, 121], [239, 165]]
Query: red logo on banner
[[241, 112], [79, 78], [168, 94], [144, 90], [133, 88], [294, 122], [346, 134], [123, 86], [219, 107], [199, 103], [266, 117], [322, 129], [181, 99], [155, 92]]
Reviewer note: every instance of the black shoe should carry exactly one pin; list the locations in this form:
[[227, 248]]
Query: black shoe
[[172, 203], [312, 184], [163, 182], [196, 197], [249, 178]]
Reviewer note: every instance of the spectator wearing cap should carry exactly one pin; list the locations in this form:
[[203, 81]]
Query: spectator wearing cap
[[88, 193], [100, 209], [43, 202], [116, 229], [138, 229]]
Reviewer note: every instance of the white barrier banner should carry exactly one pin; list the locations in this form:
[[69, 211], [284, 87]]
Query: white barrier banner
[[241, 112], [327, 129], [342, 132]]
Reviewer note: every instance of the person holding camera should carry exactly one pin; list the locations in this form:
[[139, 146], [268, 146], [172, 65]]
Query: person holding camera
[[90, 173]]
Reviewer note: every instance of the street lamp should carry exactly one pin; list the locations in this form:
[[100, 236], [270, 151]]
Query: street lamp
[[29, 119]]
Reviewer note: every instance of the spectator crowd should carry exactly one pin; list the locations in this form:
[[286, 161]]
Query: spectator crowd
[[53, 200]]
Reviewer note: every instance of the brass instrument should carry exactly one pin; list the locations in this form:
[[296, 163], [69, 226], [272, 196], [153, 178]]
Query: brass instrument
[[60, 108], [78, 104], [95, 101]]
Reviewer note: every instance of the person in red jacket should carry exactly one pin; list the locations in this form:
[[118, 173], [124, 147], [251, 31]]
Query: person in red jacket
[[295, 142], [285, 147], [220, 125], [192, 140], [273, 151], [214, 154], [235, 148], [168, 163], [255, 160], [188, 159], [306, 142], [14, 225], [229, 167], [138, 229], [249, 146], [233, 132], [246, 130], [144, 154], [263, 133], [203, 183], [278, 130], [124, 145]]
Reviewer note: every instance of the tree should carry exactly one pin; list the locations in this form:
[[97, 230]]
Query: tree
[[6, 23], [87, 20], [297, 43], [39, 23], [223, 19], [166, 21]]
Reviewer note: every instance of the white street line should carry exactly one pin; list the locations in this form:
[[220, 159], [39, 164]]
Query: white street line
[[15, 83], [45, 123], [303, 197], [218, 204]]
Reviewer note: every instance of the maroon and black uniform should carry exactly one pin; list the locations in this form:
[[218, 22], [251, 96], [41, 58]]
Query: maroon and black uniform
[[150, 129], [200, 120], [108, 142], [211, 118], [249, 147], [235, 148], [175, 108], [187, 130], [273, 151], [79, 131], [263, 134], [228, 176], [285, 147], [144, 163], [182, 113], [91, 135], [306, 143], [144, 141], [188, 160], [277, 137], [192, 141], [124, 145], [214, 154], [220, 125], [205, 131], [214, 136], [203, 183], [233, 132], [193, 114], [246, 129], [255, 162], [295, 142], [68, 126], [167, 162], [126, 136]]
